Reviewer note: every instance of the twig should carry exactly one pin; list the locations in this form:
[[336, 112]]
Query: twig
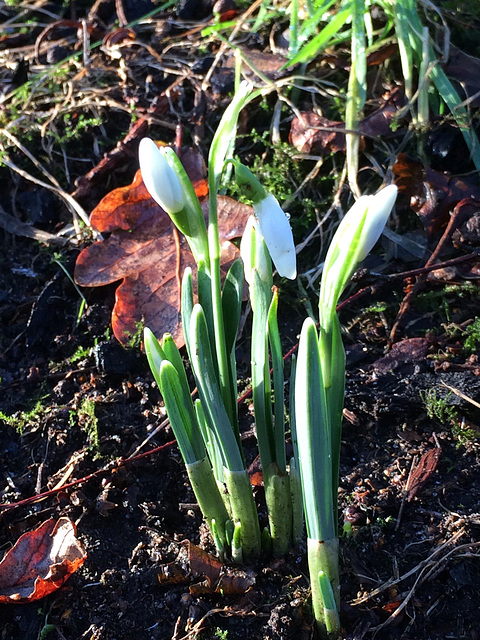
[[18, 228], [419, 567], [428, 571], [115, 464], [405, 493]]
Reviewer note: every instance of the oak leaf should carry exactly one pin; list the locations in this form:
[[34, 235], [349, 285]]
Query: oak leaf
[[40, 562]]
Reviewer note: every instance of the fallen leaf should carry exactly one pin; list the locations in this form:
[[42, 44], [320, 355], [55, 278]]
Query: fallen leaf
[[40, 562], [255, 473], [422, 472], [205, 573], [378, 57], [432, 195], [311, 133], [390, 607], [379, 122], [406, 352], [145, 250]]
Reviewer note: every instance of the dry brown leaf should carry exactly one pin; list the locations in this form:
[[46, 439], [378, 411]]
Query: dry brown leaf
[[311, 133], [205, 573], [40, 562], [433, 195], [423, 470]]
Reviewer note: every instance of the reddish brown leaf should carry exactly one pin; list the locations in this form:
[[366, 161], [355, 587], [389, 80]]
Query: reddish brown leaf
[[408, 351], [149, 255], [40, 562], [205, 573], [271, 65], [202, 564], [255, 473], [378, 123], [390, 607], [433, 195], [422, 472], [378, 57], [312, 133]]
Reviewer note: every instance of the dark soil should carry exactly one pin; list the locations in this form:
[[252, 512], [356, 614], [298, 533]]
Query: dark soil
[[410, 467]]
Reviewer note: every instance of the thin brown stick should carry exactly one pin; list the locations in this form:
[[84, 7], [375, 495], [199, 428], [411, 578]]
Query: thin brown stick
[[453, 223], [115, 464]]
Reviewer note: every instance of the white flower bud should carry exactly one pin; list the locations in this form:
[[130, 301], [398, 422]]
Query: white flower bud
[[160, 179], [276, 230], [379, 209], [355, 237]]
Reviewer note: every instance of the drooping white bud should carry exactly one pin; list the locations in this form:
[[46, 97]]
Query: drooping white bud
[[159, 178], [276, 230]]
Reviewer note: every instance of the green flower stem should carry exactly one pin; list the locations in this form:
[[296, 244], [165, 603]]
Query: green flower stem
[[244, 511], [356, 92], [279, 506], [221, 143], [223, 360], [209, 500], [332, 356], [260, 296], [323, 558]]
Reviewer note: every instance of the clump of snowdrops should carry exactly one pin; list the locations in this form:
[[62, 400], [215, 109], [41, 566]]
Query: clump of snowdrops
[[206, 429]]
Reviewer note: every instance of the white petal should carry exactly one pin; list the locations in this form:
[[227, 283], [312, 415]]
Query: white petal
[[277, 232], [159, 178], [175, 185], [379, 209]]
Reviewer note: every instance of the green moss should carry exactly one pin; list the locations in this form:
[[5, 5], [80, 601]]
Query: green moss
[[86, 418], [80, 354], [472, 334], [22, 419], [438, 408]]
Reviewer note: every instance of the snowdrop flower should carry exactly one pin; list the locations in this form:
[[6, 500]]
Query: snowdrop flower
[[355, 237], [272, 221], [276, 230], [160, 179]]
